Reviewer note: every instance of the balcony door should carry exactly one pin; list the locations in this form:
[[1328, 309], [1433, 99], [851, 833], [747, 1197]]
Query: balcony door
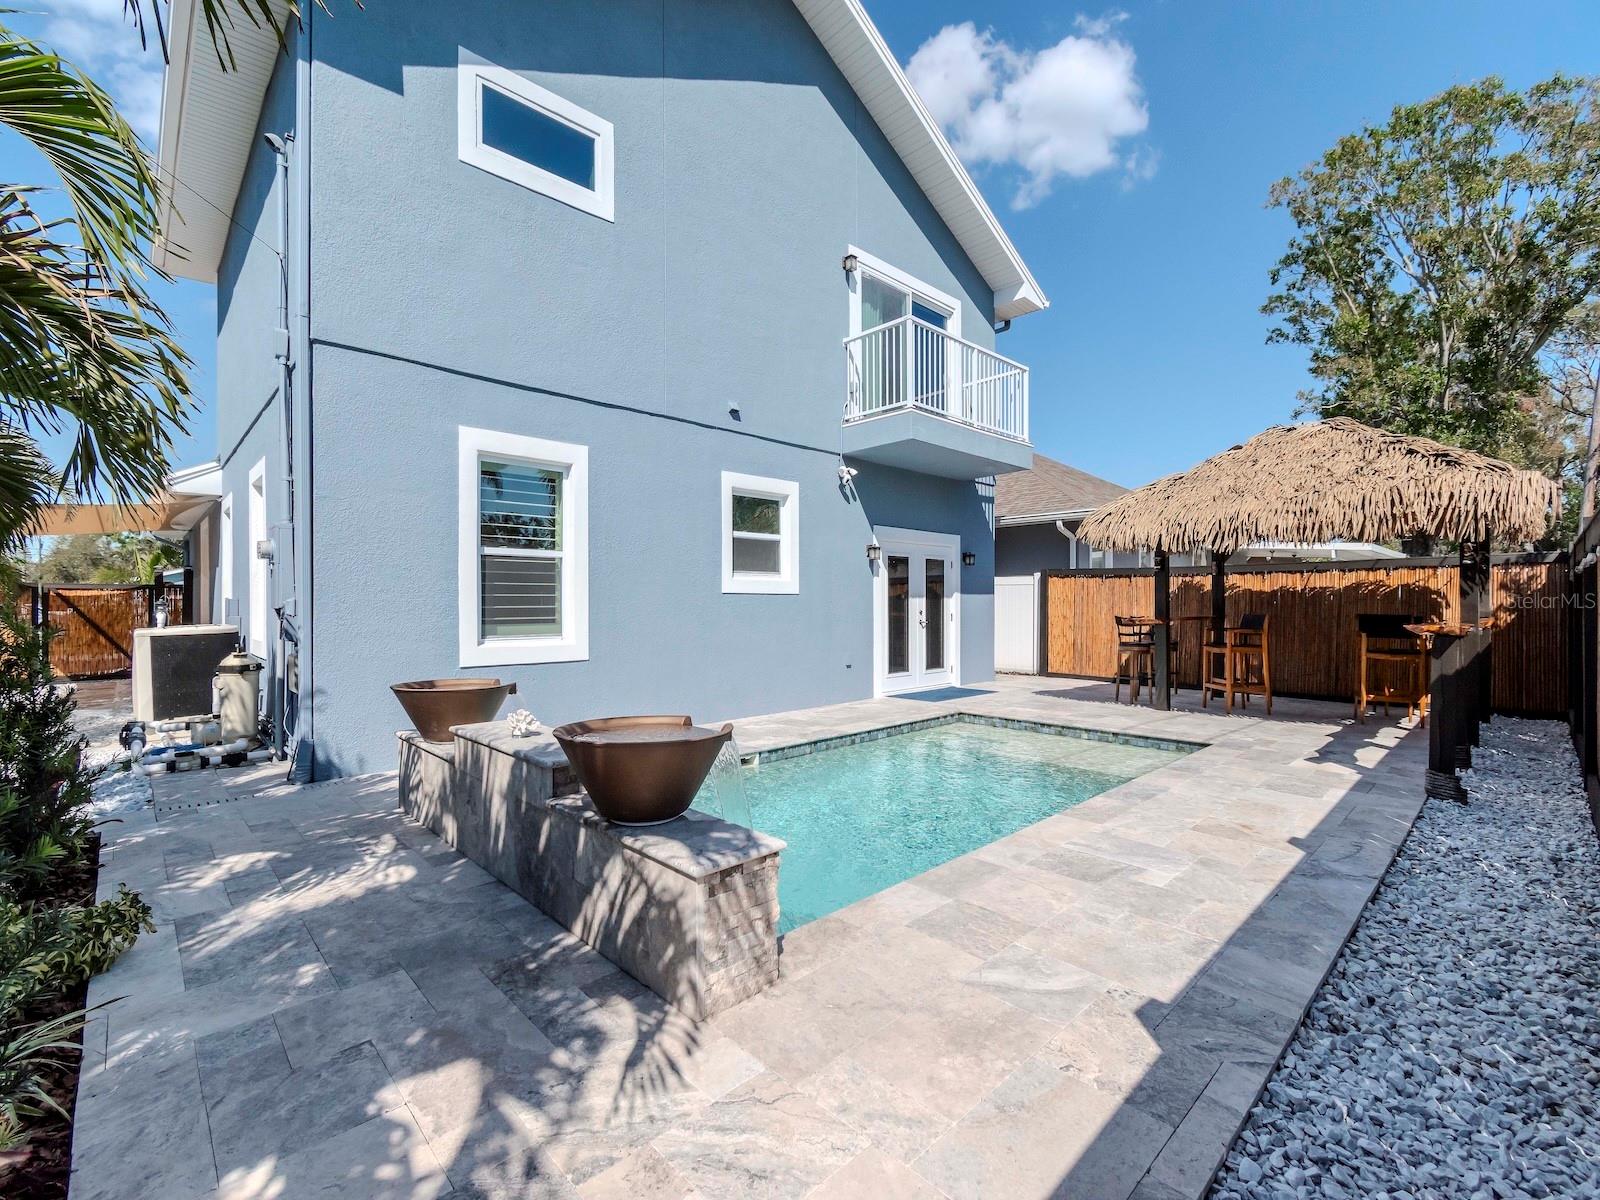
[[908, 360], [917, 598]]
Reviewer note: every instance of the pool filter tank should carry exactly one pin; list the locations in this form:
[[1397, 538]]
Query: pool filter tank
[[236, 694]]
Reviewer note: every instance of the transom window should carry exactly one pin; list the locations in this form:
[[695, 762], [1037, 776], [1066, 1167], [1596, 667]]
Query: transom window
[[513, 128], [524, 552], [760, 534]]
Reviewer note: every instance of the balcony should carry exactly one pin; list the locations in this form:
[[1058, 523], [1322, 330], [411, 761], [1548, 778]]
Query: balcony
[[918, 398]]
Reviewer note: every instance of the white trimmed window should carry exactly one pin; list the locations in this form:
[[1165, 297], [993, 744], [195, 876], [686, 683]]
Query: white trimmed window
[[760, 534], [511, 127], [523, 568]]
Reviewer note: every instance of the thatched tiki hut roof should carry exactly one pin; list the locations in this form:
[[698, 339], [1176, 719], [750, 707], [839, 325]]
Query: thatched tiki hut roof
[[1335, 479]]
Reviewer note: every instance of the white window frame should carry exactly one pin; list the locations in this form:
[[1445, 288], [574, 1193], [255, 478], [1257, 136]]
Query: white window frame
[[258, 574], [572, 461], [926, 292], [787, 493], [473, 77], [225, 564]]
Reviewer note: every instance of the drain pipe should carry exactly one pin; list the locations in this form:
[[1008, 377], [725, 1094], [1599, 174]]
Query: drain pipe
[[301, 603], [277, 673]]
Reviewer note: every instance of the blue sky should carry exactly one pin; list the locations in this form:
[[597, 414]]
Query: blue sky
[[1152, 135]]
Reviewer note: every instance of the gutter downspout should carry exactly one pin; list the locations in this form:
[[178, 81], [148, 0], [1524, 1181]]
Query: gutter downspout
[[277, 676], [1072, 541], [304, 754]]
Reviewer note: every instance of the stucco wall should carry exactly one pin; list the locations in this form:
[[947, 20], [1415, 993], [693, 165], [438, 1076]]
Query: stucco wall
[[1024, 549], [249, 295], [443, 296]]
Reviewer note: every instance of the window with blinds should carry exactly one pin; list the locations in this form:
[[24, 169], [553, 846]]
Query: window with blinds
[[521, 550]]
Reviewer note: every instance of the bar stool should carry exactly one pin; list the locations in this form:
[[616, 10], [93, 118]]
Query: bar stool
[[1386, 649], [1241, 664], [1136, 656]]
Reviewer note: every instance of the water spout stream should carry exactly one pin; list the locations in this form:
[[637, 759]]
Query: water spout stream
[[723, 793]]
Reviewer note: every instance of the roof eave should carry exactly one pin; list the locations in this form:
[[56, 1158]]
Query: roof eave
[[1047, 518], [195, 252]]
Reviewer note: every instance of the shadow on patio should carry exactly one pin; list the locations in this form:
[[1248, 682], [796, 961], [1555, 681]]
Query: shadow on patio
[[336, 1000]]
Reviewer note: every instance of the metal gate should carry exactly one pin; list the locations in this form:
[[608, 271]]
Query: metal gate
[[94, 623]]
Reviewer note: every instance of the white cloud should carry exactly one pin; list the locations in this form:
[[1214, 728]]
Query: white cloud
[[1065, 110], [97, 37]]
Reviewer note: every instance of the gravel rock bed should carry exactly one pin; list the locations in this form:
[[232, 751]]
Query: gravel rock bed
[[117, 790], [1454, 1050]]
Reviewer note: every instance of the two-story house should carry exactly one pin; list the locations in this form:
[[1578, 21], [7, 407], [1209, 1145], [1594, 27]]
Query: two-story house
[[641, 353]]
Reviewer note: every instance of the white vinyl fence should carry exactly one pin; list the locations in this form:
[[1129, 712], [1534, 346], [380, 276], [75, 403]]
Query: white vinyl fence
[[1016, 623]]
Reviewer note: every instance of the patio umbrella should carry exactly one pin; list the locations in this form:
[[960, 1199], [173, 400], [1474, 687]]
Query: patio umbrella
[[1321, 481]]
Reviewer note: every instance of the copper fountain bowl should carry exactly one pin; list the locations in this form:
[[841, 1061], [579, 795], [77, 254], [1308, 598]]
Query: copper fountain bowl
[[641, 770], [434, 705]]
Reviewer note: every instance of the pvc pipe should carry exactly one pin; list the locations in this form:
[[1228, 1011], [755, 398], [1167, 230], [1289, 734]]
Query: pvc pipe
[[262, 755]]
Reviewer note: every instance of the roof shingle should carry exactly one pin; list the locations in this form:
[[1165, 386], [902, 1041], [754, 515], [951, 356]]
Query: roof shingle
[[1050, 487]]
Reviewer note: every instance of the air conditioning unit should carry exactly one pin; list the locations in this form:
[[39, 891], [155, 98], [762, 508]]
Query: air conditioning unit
[[173, 667]]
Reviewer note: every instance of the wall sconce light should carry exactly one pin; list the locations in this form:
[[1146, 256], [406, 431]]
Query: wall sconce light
[[874, 552], [968, 559], [850, 264]]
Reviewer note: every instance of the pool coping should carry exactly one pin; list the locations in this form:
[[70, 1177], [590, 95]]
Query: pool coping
[[1086, 733]]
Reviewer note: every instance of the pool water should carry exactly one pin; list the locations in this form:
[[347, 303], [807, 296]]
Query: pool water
[[864, 817]]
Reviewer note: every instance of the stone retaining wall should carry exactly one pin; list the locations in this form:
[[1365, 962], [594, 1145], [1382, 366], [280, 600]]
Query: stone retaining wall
[[689, 908]]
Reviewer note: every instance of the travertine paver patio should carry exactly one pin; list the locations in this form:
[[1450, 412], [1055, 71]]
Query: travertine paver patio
[[336, 1004]]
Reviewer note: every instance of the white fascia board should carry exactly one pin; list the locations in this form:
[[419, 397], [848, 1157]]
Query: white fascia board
[[203, 147]]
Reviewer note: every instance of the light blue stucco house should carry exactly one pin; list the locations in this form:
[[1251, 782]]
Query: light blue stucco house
[[641, 353]]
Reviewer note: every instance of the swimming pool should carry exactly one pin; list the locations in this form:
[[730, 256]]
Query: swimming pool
[[860, 818]]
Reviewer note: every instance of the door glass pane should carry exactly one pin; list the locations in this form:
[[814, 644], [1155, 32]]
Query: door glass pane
[[881, 302], [932, 316], [521, 596], [515, 127], [756, 555], [933, 605], [899, 569]]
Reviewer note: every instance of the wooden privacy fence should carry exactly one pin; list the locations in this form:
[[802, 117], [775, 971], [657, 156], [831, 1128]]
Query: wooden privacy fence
[[1313, 609], [94, 623]]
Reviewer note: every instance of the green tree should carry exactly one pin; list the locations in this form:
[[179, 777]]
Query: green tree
[[1444, 270], [103, 558]]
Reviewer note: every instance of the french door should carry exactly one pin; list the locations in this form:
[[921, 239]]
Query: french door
[[917, 594]]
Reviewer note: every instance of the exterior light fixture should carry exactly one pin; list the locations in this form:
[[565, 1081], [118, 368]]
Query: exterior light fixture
[[874, 551], [968, 559], [851, 262]]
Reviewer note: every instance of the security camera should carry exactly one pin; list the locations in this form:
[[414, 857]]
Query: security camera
[[846, 474]]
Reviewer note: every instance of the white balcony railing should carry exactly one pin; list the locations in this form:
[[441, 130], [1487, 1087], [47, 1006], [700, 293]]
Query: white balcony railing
[[910, 364]]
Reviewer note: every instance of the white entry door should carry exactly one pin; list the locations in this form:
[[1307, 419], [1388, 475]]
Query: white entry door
[[917, 623]]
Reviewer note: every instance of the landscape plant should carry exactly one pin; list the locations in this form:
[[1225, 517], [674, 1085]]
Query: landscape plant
[[1445, 268], [53, 934]]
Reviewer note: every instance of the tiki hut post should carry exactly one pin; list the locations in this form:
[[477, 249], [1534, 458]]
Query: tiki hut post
[[1219, 598], [1163, 614], [1473, 582]]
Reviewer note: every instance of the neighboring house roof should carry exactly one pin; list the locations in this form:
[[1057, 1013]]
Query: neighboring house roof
[[208, 119], [1049, 491]]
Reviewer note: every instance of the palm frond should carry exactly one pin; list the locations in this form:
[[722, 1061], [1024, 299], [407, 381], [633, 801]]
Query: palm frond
[[85, 353], [104, 172], [276, 15], [28, 482]]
